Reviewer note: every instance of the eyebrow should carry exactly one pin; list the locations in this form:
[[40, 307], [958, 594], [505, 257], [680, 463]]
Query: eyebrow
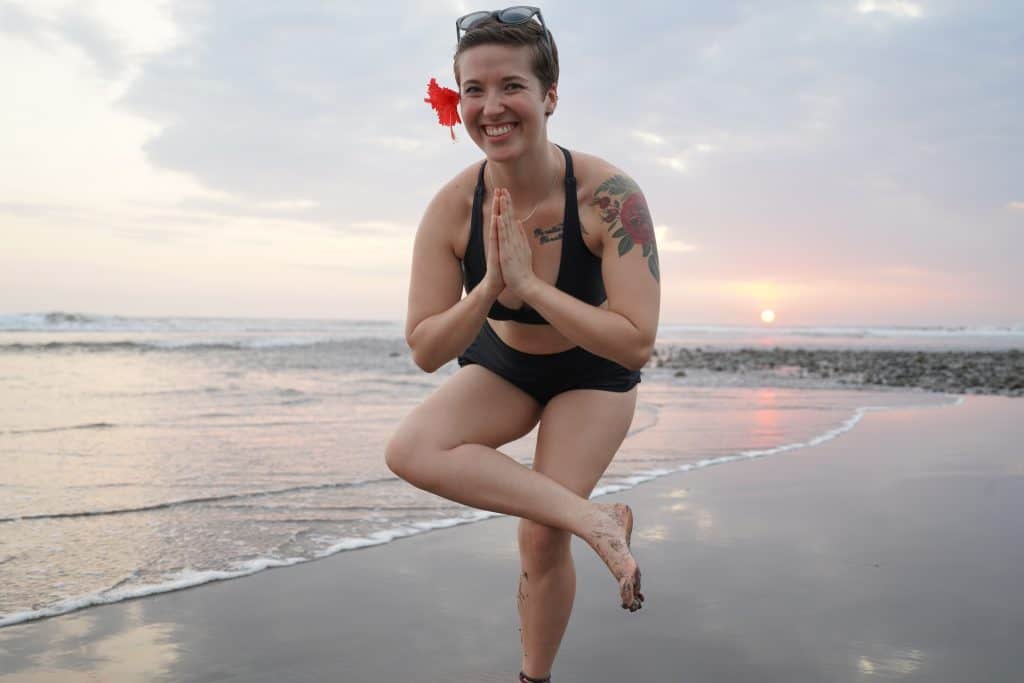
[[504, 80]]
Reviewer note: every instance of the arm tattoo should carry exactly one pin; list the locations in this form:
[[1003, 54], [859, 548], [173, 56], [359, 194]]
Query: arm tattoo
[[624, 209]]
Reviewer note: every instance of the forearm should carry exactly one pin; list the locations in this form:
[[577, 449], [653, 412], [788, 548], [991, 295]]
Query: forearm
[[443, 336], [602, 332]]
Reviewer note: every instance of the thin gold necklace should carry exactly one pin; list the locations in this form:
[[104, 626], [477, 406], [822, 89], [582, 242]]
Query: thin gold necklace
[[535, 206]]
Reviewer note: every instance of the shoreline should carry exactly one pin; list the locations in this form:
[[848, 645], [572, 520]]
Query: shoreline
[[189, 578], [835, 562]]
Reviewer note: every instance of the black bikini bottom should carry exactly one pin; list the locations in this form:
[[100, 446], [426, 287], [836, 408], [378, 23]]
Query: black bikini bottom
[[544, 376]]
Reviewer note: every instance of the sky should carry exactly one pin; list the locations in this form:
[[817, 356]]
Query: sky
[[843, 162]]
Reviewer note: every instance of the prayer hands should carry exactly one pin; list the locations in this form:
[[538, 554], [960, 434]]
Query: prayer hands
[[514, 252]]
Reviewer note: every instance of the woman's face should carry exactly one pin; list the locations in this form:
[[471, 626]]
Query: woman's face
[[503, 105]]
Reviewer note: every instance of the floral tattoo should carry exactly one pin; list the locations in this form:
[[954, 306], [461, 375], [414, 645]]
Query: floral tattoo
[[624, 209]]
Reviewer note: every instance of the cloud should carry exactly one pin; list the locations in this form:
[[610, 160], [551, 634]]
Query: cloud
[[666, 245], [905, 272], [896, 8], [647, 137], [791, 139], [676, 163], [397, 143], [387, 228], [81, 28], [112, 34], [289, 205]]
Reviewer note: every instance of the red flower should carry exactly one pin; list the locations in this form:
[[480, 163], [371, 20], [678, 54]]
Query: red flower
[[445, 102], [636, 219]]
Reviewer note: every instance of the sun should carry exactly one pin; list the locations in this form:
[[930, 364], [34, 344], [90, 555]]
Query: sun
[[767, 315]]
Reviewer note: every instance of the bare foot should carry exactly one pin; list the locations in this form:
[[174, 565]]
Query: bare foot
[[611, 527]]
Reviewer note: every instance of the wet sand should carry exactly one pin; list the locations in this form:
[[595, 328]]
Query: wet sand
[[894, 552]]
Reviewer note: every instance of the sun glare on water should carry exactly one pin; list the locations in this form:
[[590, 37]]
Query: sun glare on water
[[767, 316]]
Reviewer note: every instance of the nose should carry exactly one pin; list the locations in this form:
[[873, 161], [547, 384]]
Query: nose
[[493, 104]]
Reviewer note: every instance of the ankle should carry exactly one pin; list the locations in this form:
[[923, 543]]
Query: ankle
[[586, 520]]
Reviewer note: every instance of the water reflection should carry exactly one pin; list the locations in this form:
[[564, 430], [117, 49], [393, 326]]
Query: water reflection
[[87, 649], [658, 532], [766, 418], [898, 663], [676, 495], [705, 525]]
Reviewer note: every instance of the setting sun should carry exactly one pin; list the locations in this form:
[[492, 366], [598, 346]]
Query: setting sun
[[767, 315]]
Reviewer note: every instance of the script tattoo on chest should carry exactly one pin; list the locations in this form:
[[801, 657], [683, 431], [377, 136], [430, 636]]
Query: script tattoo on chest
[[545, 235]]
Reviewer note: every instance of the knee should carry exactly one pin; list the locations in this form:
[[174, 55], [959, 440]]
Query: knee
[[404, 455], [540, 545], [396, 454]]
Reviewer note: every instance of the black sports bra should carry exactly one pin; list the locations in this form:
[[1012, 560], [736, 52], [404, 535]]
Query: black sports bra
[[579, 271]]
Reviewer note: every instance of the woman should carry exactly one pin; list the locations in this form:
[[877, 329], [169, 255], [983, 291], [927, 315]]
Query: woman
[[560, 315]]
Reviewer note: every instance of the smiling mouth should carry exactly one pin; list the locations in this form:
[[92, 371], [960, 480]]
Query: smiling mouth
[[498, 131]]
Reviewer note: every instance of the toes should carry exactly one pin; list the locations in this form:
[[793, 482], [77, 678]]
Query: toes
[[626, 594], [632, 598]]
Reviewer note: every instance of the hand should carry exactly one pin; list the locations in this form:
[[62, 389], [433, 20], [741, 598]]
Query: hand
[[492, 281], [513, 246]]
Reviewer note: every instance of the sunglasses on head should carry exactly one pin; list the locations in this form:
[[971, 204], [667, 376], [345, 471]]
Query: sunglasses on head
[[520, 14]]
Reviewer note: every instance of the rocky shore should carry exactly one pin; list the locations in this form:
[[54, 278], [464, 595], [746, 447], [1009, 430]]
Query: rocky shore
[[957, 372]]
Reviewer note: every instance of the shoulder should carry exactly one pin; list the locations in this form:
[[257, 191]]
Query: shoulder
[[592, 171], [456, 196], [448, 213], [601, 185]]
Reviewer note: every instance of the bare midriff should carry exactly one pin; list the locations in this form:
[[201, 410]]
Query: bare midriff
[[538, 339]]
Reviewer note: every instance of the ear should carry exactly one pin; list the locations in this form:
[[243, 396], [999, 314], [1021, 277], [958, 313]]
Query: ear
[[551, 100]]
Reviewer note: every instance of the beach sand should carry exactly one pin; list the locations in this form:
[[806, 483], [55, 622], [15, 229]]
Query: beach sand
[[893, 552]]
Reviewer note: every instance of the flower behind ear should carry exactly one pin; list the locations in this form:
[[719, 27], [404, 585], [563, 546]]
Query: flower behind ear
[[445, 102]]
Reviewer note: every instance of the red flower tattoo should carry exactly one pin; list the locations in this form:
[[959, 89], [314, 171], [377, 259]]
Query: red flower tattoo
[[629, 219], [636, 219]]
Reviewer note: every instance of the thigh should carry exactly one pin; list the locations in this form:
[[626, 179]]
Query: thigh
[[472, 406], [580, 432]]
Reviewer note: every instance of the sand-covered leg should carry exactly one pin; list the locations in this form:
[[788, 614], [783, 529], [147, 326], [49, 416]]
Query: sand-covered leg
[[611, 529]]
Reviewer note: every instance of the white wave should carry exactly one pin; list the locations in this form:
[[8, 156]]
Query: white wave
[[59, 321], [189, 578]]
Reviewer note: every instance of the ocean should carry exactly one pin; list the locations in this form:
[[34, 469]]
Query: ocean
[[145, 455]]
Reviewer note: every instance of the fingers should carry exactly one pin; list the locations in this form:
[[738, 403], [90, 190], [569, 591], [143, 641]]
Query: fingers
[[501, 216], [510, 235], [504, 213], [492, 232]]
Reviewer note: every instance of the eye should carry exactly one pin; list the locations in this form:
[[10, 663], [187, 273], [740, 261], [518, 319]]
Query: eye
[[470, 90], [513, 86]]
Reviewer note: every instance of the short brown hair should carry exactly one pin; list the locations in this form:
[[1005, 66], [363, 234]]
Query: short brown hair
[[530, 34]]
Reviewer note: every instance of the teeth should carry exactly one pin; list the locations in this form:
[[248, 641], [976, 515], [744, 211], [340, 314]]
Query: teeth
[[495, 131]]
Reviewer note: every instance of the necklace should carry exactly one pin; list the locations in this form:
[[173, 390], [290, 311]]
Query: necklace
[[539, 201]]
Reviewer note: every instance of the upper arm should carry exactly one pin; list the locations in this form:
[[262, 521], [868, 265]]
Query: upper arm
[[435, 284], [629, 258]]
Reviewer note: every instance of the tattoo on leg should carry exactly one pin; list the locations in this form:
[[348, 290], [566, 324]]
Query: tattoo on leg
[[521, 600], [624, 209]]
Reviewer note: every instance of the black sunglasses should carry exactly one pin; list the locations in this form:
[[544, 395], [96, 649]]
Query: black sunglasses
[[520, 14]]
